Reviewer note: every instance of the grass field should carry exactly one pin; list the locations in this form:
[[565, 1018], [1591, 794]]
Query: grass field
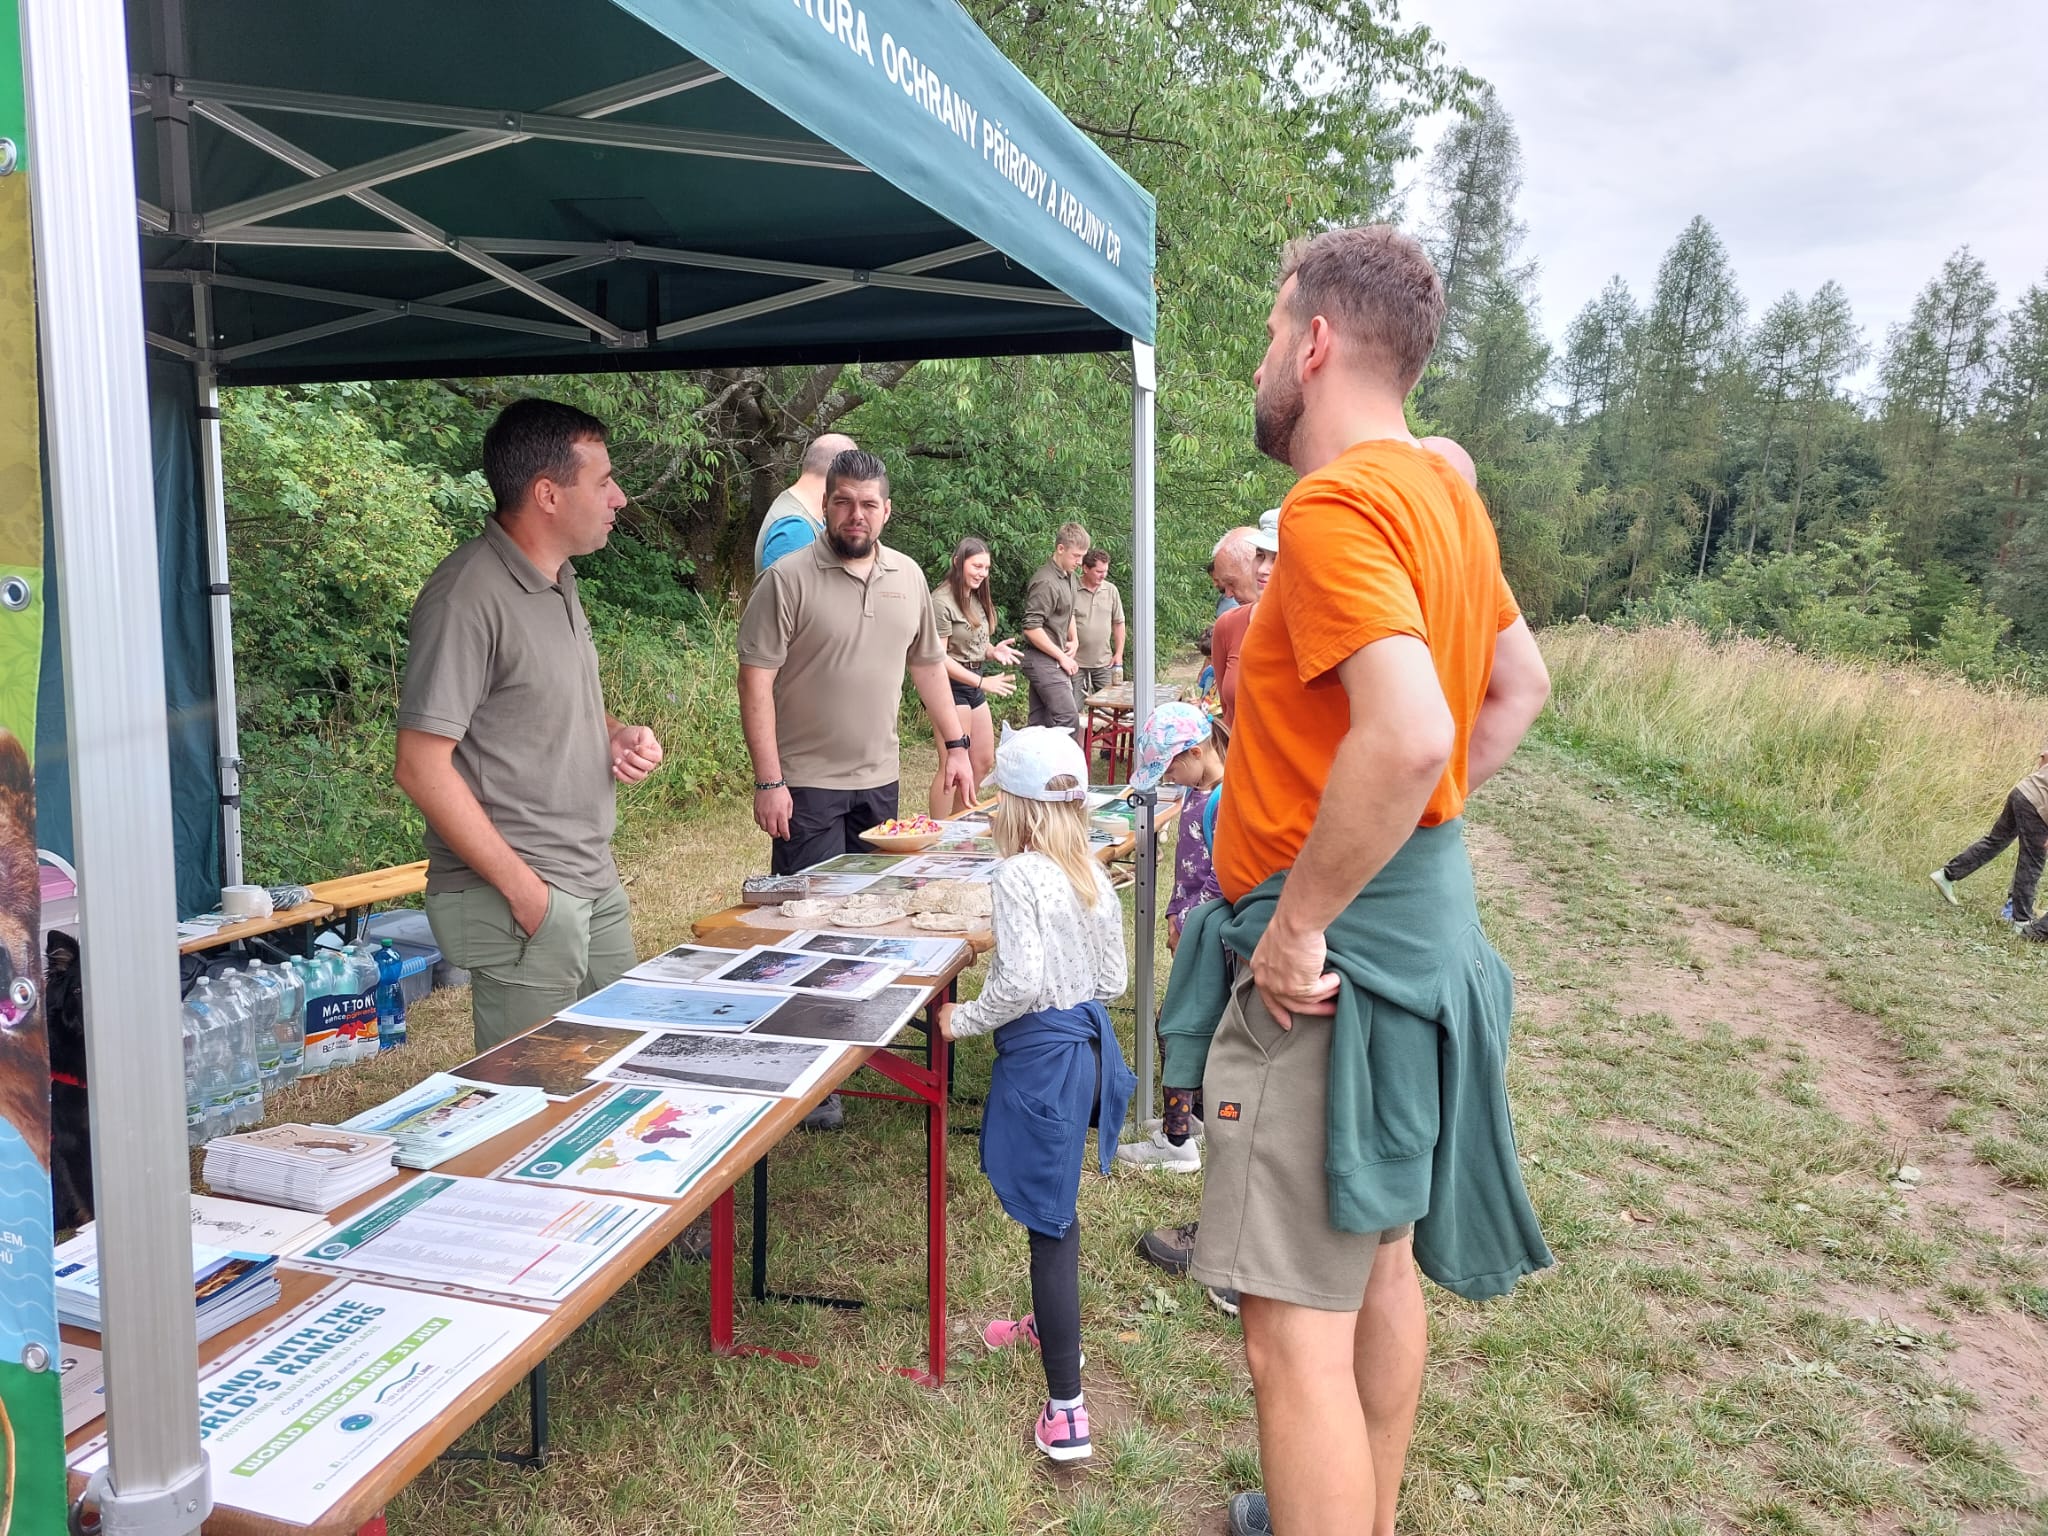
[[1729, 1044]]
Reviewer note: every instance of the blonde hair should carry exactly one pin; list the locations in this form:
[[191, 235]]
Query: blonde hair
[[1056, 828]]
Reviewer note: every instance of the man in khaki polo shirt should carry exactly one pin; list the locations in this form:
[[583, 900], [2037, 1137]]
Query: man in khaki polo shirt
[[824, 643], [1049, 640], [1098, 629], [503, 739]]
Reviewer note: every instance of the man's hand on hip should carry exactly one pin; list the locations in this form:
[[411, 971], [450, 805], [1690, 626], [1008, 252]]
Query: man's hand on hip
[[1287, 968], [772, 809], [635, 753]]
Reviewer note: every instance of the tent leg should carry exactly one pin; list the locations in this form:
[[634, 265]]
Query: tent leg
[[227, 731], [1144, 388], [82, 180]]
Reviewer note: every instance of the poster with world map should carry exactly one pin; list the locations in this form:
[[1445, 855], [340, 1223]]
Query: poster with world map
[[640, 1141]]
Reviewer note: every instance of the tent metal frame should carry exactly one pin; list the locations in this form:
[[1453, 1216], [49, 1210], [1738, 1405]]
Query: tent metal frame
[[81, 102]]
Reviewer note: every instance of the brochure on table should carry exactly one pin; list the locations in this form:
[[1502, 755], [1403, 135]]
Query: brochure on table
[[294, 1420], [218, 1222], [84, 1384], [639, 1141], [484, 1235], [442, 1116]]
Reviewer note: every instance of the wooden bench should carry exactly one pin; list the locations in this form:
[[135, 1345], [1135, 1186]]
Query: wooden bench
[[342, 903]]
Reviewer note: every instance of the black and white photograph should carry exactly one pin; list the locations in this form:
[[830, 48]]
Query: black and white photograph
[[855, 1021], [785, 1068], [684, 963]]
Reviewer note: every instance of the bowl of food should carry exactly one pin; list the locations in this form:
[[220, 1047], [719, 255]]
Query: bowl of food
[[903, 835]]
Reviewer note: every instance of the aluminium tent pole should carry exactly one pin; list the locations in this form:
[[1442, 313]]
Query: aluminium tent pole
[[227, 731], [1144, 388], [101, 489]]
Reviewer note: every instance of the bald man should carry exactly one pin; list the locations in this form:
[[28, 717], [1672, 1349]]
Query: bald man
[[797, 516], [1449, 450]]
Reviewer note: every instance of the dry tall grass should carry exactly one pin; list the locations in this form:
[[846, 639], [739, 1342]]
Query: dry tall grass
[[1893, 767]]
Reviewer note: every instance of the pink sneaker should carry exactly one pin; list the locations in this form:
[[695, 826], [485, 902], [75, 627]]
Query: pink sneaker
[[1063, 1432], [1002, 1333]]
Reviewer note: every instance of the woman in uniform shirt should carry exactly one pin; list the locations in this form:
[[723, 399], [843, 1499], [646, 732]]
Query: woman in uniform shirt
[[965, 615]]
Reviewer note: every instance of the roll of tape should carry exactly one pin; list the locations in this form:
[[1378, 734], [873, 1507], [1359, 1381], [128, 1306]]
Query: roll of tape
[[245, 901]]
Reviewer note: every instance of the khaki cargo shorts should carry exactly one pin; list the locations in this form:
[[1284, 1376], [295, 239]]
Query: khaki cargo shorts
[[1265, 1196]]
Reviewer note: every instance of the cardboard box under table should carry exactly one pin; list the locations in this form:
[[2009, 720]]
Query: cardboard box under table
[[362, 1504]]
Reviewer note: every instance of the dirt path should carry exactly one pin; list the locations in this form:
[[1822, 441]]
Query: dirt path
[[1726, 976]]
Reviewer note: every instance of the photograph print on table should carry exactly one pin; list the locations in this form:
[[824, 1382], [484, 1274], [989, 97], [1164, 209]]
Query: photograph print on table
[[654, 1005], [765, 967], [784, 1068], [843, 976], [556, 1058], [853, 1021], [685, 963], [953, 866], [857, 864], [800, 971], [833, 943]]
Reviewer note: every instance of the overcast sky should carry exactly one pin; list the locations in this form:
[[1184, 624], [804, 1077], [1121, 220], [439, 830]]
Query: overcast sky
[[1858, 141]]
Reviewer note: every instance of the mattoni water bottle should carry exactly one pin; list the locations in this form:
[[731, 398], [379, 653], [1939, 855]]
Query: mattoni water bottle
[[363, 981], [390, 998], [325, 1044]]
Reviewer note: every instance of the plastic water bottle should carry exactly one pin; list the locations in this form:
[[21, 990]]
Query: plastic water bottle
[[390, 999], [241, 1003], [318, 974], [291, 1023], [261, 992], [220, 1021], [364, 979], [195, 1021]]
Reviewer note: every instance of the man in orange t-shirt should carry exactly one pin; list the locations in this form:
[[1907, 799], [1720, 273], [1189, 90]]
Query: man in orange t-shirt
[[1386, 674], [1243, 564]]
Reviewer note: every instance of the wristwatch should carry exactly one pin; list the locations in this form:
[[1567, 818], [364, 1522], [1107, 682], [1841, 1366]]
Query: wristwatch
[[960, 743]]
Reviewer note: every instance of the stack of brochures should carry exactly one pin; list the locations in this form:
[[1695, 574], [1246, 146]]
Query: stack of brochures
[[306, 1167], [445, 1116], [226, 1287]]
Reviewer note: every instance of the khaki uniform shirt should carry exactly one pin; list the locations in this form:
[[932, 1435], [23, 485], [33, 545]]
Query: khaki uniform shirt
[[964, 631], [1096, 616], [784, 506], [502, 662], [1049, 602], [839, 646]]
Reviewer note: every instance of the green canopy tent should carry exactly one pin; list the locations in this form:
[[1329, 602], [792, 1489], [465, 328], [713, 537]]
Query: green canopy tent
[[370, 189]]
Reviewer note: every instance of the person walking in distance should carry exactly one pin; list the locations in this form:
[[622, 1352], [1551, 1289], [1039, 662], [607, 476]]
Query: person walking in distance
[[1341, 1006], [1049, 639], [2023, 819], [1098, 629], [503, 739]]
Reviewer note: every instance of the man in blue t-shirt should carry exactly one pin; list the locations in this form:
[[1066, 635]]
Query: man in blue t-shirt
[[797, 516]]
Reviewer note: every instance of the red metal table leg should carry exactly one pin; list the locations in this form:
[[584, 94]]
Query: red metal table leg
[[721, 1274]]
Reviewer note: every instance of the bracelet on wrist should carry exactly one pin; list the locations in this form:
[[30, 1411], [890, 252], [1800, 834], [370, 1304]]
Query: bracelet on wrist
[[761, 784]]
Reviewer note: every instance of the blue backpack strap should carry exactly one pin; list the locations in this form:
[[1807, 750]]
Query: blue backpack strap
[[1209, 817]]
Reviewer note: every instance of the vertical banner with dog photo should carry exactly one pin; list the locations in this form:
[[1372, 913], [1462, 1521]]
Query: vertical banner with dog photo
[[31, 1397]]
